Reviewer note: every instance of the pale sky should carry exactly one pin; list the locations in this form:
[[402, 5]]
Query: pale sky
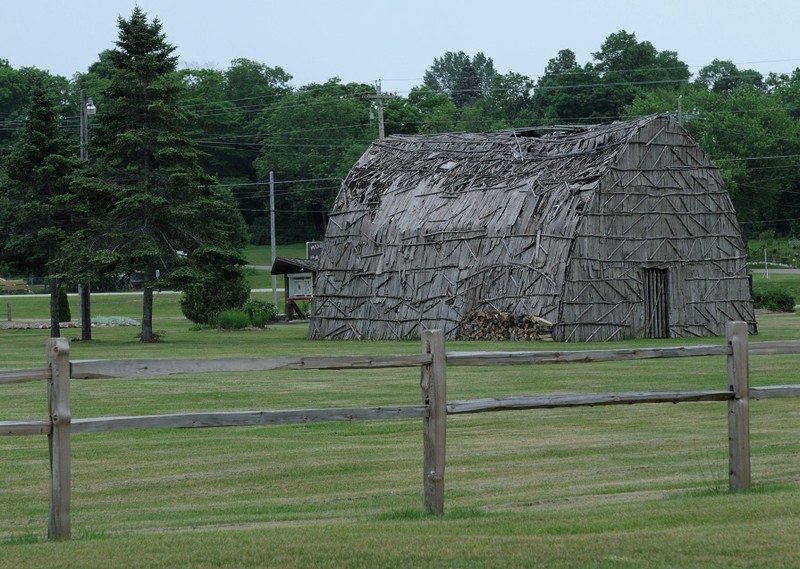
[[397, 41]]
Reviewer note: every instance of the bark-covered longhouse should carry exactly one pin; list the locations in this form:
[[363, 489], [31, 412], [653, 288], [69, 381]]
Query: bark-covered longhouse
[[619, 230]]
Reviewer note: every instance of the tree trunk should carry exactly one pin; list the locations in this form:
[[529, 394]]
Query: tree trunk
[[55, 327], [86, 311], [147, 314]]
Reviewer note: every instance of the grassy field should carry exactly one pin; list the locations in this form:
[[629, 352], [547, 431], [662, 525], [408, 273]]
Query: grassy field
[[261, 256], [779, 252], [634, 486]]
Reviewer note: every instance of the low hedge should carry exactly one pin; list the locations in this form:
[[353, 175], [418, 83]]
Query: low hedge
[[777, 300]]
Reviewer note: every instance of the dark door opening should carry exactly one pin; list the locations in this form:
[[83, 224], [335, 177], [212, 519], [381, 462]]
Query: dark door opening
[[656, 306]]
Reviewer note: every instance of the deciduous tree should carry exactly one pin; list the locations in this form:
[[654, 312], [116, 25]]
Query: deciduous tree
[[623, 69], [312, 138], [565, 92], [628, 67], [462, 78], [723, 77]]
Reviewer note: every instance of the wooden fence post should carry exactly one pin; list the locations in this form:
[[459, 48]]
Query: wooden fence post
[[738, 407], [433, 382], [58, 523]]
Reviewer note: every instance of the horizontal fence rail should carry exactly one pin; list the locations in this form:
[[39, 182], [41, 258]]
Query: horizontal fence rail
[[24, 375], [588, 400], [585, 356], [244, 418], [14, 428], [101, 369], [775, 391], [433, 362]]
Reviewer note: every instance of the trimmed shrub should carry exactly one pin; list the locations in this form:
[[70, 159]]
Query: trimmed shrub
[[64, 314], [202, 302], [778, 300], [233, 320], [260, 312]]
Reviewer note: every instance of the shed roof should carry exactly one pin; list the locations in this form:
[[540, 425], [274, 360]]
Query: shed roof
[[289, 265], [492, 175]]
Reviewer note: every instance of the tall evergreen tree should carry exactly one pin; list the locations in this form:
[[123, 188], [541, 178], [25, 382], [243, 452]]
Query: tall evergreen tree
[[39, 209], [159, 203]]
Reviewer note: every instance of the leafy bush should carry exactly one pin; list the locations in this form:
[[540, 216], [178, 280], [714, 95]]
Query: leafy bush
[[64, 314], [304, 306], [777, 300], [260, 312], [202, 302], [233, 320]]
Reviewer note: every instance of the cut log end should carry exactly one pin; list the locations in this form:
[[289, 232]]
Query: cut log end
[[497, 325]]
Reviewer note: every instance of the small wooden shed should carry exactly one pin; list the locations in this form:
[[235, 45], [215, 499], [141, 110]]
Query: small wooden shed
[[298, 282], [611, 231]]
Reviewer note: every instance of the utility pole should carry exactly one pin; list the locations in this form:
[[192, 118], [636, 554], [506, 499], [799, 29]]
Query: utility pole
[[380, 97], [272, 235], [84, 290]]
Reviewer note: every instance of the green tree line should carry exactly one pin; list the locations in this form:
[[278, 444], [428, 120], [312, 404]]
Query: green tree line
[[234, 126], [249, 120]]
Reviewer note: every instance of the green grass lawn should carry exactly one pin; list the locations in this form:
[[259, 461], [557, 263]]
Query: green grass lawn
[[780, 252], [261, 256], [631, 486]]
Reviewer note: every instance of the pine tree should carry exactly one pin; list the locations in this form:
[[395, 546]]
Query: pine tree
[[159, 203], [40, 210]]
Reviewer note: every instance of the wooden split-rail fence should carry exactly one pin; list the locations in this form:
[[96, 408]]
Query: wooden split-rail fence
[[434, 409]]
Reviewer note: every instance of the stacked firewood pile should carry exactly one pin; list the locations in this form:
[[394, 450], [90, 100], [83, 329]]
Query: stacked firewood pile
[[496, 325]]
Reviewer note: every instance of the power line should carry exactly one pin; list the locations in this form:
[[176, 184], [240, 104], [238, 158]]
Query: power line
[[747, 158], [280, 182]]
